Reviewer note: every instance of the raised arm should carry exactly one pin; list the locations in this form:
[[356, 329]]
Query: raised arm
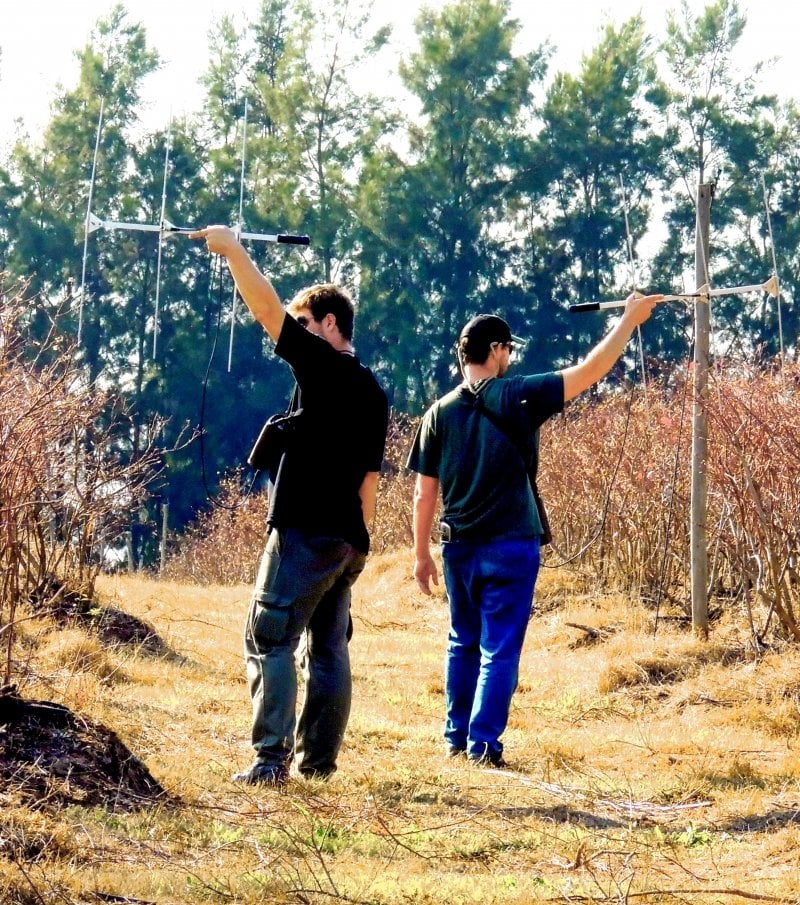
[[253, 286], [601, 358]]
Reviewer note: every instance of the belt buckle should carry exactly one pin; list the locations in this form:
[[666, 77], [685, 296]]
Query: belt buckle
[[446, 532]]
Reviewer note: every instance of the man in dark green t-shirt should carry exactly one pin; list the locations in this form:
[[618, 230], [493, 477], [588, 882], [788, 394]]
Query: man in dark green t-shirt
[[478, 445]]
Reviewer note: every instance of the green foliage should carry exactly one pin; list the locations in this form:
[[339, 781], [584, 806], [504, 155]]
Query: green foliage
[[442, 209], [500, 189], [692, 837], [722, 130], [602, 158]]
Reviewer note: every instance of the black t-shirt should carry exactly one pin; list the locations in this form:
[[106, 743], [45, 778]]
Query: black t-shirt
[[341, 437]]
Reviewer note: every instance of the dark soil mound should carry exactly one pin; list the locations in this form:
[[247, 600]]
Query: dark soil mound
[[51, 756], [69, 607]]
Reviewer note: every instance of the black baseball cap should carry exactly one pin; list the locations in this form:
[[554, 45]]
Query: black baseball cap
[[485, 329]]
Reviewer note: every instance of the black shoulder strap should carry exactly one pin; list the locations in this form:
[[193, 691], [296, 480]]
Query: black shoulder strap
[[477, 401], [531, 465]]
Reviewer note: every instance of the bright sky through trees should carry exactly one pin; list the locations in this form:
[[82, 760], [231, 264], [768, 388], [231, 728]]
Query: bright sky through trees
[[38, 40]]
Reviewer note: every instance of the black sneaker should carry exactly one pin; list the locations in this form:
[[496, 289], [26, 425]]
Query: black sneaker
[[317, 774], [488, 758], [264, 775], [454, 751]]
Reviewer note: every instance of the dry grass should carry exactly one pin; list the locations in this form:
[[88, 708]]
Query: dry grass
[[645, 769]]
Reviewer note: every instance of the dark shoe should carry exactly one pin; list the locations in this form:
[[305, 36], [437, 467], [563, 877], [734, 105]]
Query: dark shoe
[[454, 751], [321, 775], [263, 775], [488, 758]]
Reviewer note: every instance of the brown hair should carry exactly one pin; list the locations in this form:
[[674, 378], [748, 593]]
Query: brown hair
[[326, 298]]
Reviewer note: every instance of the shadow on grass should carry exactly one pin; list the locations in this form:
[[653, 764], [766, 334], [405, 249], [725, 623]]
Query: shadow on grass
[[760, 823], [70, 607]]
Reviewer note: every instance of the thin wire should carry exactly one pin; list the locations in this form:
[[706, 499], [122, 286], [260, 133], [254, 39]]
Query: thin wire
[[161, 235], [239, 226], [632, 262], [774, 269], [203, 393], [86, 222]]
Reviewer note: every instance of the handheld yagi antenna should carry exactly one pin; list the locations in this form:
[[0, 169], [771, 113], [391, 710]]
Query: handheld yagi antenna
[[703, 292]]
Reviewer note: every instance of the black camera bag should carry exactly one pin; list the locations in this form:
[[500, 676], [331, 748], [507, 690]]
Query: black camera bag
[[275, 439]]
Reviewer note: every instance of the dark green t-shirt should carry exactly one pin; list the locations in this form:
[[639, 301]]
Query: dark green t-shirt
[[485, 489]]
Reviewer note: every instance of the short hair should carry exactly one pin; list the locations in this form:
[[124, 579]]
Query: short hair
[[326, 298]]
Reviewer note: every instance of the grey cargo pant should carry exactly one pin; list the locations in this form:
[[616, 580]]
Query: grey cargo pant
[[303, 586]]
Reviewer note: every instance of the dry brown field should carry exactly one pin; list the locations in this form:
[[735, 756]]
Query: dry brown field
[[645, 768]]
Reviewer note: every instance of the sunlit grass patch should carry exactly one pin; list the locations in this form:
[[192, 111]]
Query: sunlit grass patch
[[75, 651], [634, 786]]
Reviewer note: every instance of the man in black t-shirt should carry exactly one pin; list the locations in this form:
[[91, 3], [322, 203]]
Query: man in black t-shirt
[[322, 500]]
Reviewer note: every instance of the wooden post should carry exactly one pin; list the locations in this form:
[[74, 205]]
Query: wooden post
[[129, 548], [164, 527], [702, 331]]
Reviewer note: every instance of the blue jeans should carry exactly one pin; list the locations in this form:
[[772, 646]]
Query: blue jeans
[[302, 589], [490, 589]]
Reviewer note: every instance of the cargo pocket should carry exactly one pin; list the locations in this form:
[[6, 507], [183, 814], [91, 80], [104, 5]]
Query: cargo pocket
[[271, 605], [269, 621]]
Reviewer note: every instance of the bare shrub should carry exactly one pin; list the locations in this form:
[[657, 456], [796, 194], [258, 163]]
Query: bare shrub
[[616, 477], [224, 544], [608, 475], [615, 474], [754, 471], [66, 481], [393, 527]]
